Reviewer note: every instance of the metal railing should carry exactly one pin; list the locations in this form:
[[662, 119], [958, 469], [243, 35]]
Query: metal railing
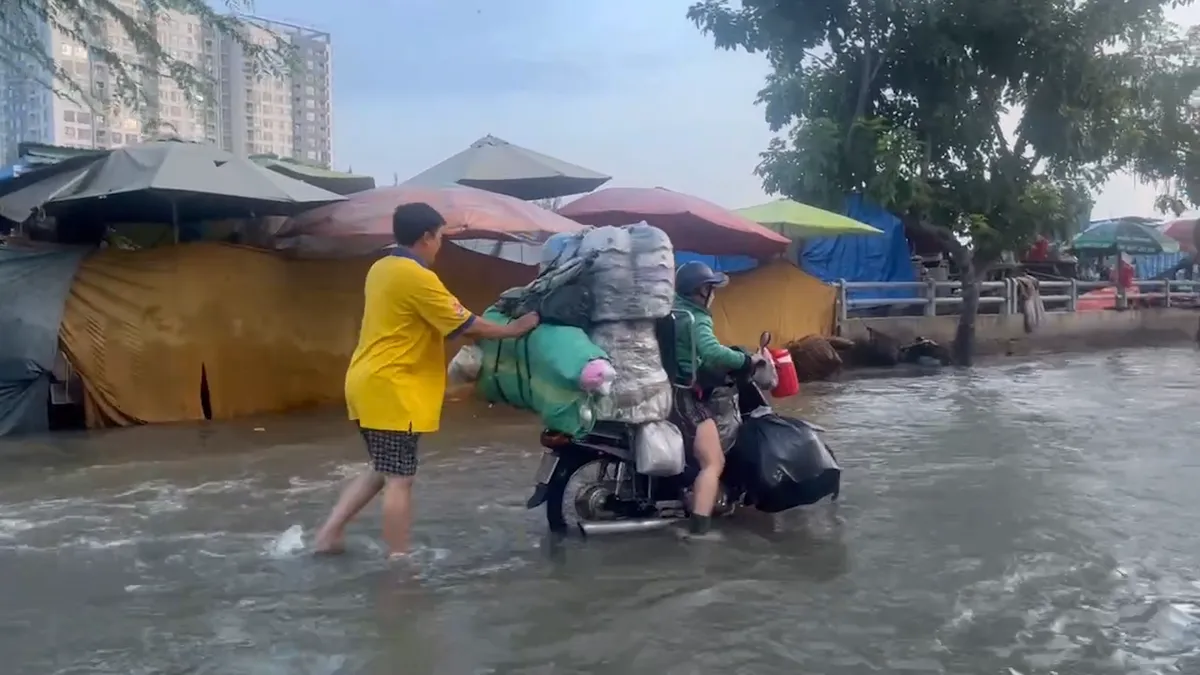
[[1004, 296]]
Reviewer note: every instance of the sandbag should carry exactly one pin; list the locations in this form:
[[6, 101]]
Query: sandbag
[[642, 390], [541, 372], [815, 358], [658, 449], [633, 273], [782, 463]]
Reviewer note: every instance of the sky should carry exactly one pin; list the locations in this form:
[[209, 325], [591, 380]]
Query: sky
[[628, 88]]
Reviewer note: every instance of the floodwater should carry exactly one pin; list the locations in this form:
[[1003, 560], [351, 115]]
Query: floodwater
[[1022, 518]]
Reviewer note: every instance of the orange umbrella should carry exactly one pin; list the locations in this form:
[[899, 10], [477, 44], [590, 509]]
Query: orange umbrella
[[363, 222], [693, 224]]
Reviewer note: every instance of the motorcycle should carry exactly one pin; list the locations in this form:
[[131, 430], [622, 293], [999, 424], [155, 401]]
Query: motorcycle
[[591, 483]]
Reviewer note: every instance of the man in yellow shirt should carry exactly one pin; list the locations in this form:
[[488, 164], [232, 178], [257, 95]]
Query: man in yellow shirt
[[397, 376]]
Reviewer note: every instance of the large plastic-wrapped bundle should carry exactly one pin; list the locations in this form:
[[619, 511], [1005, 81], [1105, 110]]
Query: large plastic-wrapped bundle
[[545, 371], [633, 275], [642, 390]]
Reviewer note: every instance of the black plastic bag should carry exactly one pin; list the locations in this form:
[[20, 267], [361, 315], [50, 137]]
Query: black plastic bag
[[782, 463]]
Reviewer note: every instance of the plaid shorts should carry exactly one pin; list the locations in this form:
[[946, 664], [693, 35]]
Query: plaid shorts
[[392, 452]]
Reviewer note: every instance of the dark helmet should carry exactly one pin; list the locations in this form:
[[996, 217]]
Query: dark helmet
[[693, 276]]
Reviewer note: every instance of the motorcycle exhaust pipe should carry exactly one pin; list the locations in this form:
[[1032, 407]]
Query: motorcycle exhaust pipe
[[591, 528]]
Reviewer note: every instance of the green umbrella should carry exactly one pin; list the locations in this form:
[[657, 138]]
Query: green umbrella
[[801, 220], [1125, 236]]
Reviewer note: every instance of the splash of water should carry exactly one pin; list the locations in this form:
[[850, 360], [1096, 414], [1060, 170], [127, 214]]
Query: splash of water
[[288, 544]]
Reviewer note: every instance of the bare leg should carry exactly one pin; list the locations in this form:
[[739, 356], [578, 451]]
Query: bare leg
[[707, 447], [357, 493], [397, 514]]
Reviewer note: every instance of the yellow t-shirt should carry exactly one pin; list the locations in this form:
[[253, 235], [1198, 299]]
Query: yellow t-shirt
[[397, 377]]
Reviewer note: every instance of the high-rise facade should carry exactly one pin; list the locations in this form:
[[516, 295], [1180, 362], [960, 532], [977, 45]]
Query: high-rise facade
[[247, 113]]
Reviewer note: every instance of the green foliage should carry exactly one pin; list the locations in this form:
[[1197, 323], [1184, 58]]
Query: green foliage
[[123, 36], [904, 101]]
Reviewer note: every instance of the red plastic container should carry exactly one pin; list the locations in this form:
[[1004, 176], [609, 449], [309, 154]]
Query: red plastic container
[[789, 383]]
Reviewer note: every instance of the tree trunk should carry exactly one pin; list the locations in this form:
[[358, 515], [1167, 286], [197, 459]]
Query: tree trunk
[[963, 350]]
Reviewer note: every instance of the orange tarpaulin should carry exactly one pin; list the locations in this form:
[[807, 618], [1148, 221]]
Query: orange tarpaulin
[[271, 334], [777, 297], [268, 333]]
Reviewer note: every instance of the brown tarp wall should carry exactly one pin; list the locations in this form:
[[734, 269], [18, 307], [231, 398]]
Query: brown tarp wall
[[271, 334]]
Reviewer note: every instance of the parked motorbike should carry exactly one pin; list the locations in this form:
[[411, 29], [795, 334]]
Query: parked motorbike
[[591, 483]]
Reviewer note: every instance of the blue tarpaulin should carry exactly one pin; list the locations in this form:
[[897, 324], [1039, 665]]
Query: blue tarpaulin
[[1150, 266], [35, 283], [860, 257], [729, 264]]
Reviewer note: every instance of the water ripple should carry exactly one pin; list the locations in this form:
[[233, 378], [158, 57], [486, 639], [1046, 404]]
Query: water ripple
[[1029, 518]]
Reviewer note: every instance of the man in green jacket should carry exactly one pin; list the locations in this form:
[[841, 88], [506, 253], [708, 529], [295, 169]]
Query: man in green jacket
[[695, 284]]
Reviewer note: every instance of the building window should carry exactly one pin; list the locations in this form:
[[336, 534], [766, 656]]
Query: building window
[[68, 115]]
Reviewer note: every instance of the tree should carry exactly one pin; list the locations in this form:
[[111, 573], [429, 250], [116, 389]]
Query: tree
[[123, 36], [904, 100]]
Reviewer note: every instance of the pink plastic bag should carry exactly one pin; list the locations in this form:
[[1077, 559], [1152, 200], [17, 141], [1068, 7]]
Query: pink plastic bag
[[597, 377]]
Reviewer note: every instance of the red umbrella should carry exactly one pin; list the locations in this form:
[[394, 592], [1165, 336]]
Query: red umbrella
[[1182, 230], [693, 224], [363, 222]]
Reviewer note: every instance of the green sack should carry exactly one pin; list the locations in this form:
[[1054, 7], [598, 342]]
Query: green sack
[[540, 372]]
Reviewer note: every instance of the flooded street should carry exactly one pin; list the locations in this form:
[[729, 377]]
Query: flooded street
[[1021, 518]]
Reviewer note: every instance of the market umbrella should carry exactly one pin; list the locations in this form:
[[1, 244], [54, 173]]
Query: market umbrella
[[498, 166], [798, 220], [1182, 230], [1124, 235], [160, 181], [693, 224], [363, 223]]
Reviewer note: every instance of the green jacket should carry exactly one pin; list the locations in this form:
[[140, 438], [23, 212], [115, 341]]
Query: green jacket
[[712, 357]]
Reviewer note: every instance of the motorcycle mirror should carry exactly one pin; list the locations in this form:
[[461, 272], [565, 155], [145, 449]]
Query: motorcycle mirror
[[764, 339]]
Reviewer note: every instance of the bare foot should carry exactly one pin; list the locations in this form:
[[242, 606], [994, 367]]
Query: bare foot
[[329, 544]]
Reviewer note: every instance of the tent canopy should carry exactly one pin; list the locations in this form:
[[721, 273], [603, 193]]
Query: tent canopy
[[326, 179], [363, 223], [692, 223], [496, 165], [795, 219], [160, 181]]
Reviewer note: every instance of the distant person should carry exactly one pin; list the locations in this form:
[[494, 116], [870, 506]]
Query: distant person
[[396, 381], [1124, 273]]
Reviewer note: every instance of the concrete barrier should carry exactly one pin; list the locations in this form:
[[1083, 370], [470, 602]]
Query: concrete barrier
[[1004, 334]]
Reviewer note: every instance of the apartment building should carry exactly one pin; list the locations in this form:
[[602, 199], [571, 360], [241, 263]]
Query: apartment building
[[289, 116]]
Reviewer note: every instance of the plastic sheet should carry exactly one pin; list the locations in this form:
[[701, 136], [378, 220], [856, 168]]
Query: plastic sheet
[[633, 276], [36, 283], [658, 449], [642, 390], [465, 366]]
